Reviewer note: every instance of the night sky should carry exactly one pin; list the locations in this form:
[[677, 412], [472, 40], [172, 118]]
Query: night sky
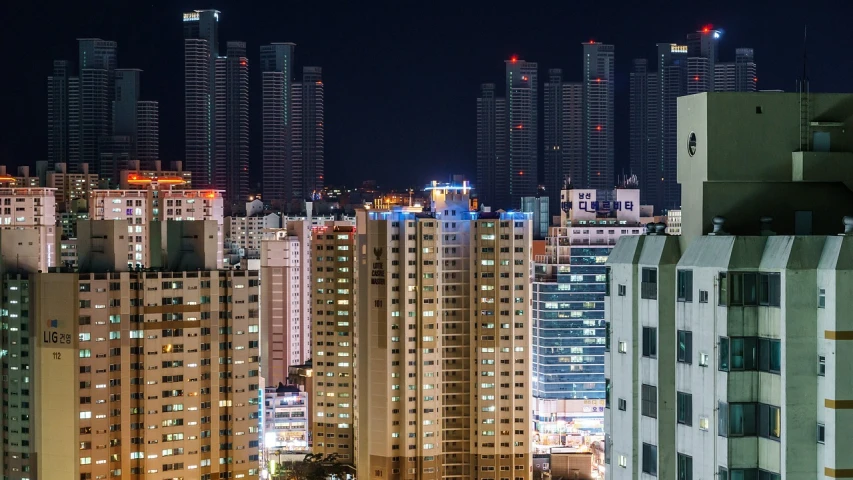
[[401, 78]]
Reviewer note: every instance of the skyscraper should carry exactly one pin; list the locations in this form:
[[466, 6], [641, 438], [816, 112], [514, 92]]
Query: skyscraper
[[276, 75], [148, 133], [555, 169], [640, 125], [737, 76], [677, 70], [201, 49], [563, 135], [231, 125], [57, 113], [671, 81], [492, 168], [96, 85], [522, 100], [702, 52], [308, 134], [598, 117]]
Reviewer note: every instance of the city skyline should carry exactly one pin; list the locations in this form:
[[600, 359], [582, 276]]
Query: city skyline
[[351, 144]]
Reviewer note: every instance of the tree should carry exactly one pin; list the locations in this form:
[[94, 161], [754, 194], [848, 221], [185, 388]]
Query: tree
[[316, 467]]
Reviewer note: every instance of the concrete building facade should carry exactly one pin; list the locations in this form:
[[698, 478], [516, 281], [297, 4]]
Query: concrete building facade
[[742, 309]]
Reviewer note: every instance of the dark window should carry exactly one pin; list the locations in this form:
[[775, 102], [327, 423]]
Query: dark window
[[650, 401], [685, 346], [685, 467], [723, 419], [724, 354], [821, 366], [607, 278], [606, 336], [770, 289], [607, 393], [751, 288], [622, 290], [685, 286], [703, 296], [723, 294], [742, 419], [821, 298], [649, 284], [650, 459], [650, 342], [769, 355], [722, 473], [821, 433], [623, 404], [743, 353], [769, 421], [684, 408]]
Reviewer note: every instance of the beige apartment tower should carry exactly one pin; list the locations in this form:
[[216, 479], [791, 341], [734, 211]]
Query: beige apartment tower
[[442, 340], [334, 284], [132, 374]]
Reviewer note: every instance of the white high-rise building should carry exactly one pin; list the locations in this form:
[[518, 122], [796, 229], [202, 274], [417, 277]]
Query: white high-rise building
[[727, 345]]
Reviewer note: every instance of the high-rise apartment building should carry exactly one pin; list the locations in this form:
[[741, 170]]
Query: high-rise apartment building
[[79, 401], [28, 224], [307, 134], [568, 342], [231, 125], [492, 167], [333, 287], [563, 135], [148, 132], [443, 342], [642, 117], [96, 76], [522, 117], [737, 76], [201, 49], [286, 300], [724, 342], [70, 186], [678, 70], [144, 211], [57, 113], [702, 57], [277, 67], [599, 79]]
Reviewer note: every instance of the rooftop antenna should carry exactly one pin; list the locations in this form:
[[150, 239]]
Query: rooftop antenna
[[803, 88]]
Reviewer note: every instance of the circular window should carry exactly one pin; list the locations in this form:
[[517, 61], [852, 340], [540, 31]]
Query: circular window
[[691, 144]]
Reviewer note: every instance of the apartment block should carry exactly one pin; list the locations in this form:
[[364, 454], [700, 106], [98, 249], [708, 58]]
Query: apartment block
[[727, 343], [442, 383], [71, 186], [286, 274], [333, 315], [28, 222], [142, 208], [142, 374]]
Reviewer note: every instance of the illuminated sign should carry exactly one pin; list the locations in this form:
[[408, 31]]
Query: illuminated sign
[[51, 336], [678, 48], [191, 17], [586, 204]]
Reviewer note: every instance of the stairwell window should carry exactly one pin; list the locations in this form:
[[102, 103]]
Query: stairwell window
[[685, 285], [649, 284], [649, 399]]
